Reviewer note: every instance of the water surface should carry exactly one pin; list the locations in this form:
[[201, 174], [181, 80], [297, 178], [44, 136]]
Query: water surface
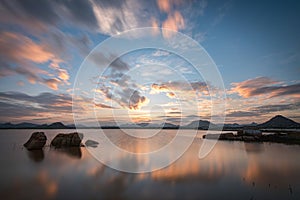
[[233, 170]]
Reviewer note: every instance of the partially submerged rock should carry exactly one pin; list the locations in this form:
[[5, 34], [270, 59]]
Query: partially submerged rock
[[288, 138], [219, 136], [67, 140], [91, 143], [36, 141]]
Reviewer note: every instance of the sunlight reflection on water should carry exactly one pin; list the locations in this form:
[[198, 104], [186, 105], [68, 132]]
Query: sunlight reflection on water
[[236, 169]]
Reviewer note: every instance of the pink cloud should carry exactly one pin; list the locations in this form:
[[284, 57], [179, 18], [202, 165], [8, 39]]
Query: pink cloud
[[264, 86], [174, 22], [24, 53]]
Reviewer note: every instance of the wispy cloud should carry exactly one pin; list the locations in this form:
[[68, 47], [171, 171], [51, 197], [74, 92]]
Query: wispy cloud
[[264, 86], [15, 106], [173, 87], [19, 54], [101, 105]]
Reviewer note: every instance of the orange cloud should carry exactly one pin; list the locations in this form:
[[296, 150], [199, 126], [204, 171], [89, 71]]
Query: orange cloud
[[164, 5], [155, 26], [264, 86], [171, 95], [63, 75], [21, 47], [100, 105], [53, 83], [174, 22], [141, 119], [23, 52]]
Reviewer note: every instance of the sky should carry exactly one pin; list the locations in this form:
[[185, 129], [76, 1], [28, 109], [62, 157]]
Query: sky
[[46, 45]]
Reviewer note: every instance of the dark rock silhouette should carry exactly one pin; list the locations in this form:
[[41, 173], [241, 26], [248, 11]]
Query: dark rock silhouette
[[67, 140], [288, 137], [36, 141]]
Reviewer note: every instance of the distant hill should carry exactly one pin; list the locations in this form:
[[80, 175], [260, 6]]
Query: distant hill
[[169, 125], [279, 121], [56, 125], [200, 124], [25, 125]]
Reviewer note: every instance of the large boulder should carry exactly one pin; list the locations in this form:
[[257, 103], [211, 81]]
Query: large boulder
[[36, 141], [67, 140]]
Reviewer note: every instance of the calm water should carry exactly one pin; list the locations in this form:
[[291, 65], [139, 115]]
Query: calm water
[[233, 170]]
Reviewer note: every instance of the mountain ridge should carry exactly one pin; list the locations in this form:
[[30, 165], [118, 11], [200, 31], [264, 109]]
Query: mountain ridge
[[276, 122]]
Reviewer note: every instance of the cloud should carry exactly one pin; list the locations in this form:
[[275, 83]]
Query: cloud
[[16, 106], [19, 54], [241, 114], [276, 108], [264, 86], [178, 86], [171, 95], [114, 17], [63, 75], [52, 83], [15, 47], [164, 5], [42, 15], [174, 22], [46, 100], [258, 111], [136, 100], [100, 105], [159, 53], [117, 86]]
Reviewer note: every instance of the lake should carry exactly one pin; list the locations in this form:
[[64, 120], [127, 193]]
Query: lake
[[232, 170]]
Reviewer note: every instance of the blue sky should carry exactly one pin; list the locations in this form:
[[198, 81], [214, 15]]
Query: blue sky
[[255, 46]]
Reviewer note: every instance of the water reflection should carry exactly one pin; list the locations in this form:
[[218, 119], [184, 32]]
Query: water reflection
[[36, 155], [74, 152], [254, 147], [247, 170], [275, 167]]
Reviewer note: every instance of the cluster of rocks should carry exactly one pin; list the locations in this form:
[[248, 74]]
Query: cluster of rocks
[[290, 138], [232, 137], [38, 140]]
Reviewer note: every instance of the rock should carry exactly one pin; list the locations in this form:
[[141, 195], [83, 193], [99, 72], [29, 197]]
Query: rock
[[211, 136], [223, 136], [67, 140], [36, 141], [91, 143], [226, 136]]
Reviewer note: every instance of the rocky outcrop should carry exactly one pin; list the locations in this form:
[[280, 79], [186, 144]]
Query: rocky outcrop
[[36, 141], [91, 143], [67, 140], [219, 136], [288, 138]]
